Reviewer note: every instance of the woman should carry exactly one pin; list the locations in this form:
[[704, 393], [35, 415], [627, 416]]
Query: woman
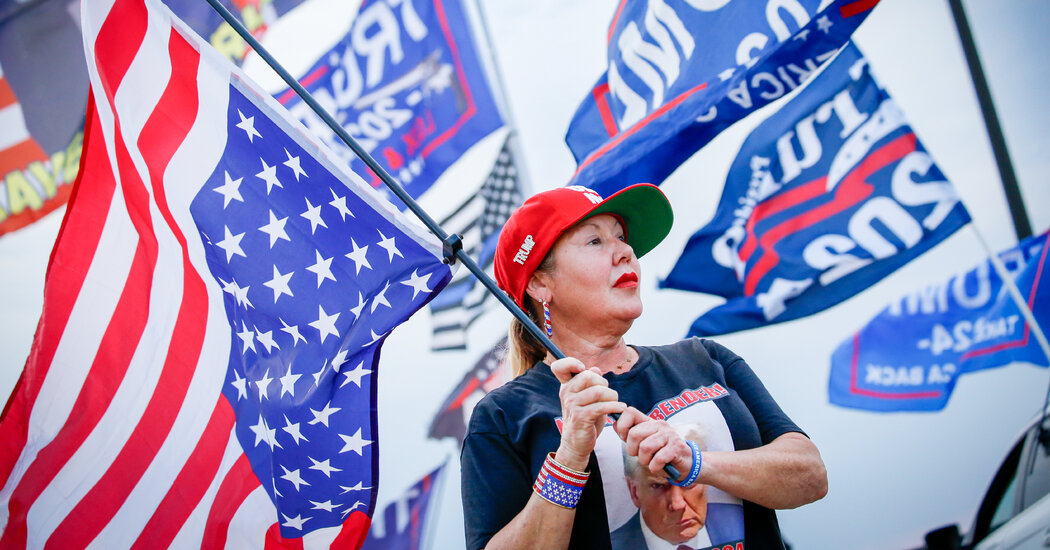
[[542, 466]]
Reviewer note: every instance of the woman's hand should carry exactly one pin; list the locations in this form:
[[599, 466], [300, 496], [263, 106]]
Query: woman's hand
[[586, 400], [654, 442]]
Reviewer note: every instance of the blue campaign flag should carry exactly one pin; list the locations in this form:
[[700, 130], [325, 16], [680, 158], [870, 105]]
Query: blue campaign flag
[[910, 355], [681, 71], [402, 524], [826, 197], [406, 83]]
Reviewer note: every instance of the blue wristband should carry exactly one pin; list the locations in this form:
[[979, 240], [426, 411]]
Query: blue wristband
[[695, 472]]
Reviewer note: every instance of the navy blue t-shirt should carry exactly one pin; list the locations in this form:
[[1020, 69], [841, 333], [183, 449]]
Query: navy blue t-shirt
[[706, 391]]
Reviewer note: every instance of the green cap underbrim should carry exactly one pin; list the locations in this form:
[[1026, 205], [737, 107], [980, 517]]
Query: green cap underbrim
[[644, 210]]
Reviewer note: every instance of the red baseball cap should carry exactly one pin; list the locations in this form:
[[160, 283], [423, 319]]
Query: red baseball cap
[[534, 227]]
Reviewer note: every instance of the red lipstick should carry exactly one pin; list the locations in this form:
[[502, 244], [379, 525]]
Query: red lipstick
[[627, 280]]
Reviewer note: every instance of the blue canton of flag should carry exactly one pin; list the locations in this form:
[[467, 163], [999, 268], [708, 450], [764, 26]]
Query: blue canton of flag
[[679, 72], [910, 355], [315, 277], [826, 197]]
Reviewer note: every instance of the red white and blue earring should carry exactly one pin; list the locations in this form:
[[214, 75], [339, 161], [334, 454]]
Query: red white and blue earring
[[547, 319]]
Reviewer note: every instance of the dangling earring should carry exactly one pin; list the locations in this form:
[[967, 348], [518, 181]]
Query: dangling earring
[[547, 319]]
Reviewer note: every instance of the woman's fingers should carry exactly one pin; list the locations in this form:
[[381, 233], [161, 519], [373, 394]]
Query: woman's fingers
[[654, 442], [565, 369], [628, 419]]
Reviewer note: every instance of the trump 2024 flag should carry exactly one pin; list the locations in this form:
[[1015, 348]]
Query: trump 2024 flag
[[681, 71], [204, 371], [826, 197], [407, 84], [910, 355]]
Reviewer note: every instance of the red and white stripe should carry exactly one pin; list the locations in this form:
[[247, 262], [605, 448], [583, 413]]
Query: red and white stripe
[[117, 435]]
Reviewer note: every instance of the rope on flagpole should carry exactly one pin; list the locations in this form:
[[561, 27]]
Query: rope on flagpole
[[452, 244]]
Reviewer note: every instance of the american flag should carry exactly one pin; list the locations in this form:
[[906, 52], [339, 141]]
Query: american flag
[[479, 220], [403, 523], [204, 371], [489, 373]]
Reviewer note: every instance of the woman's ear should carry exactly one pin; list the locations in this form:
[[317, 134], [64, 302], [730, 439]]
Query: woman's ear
[[538, 288]]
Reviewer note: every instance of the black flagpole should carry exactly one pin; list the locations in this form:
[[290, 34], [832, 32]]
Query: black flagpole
[[452, 244], [991, 121]]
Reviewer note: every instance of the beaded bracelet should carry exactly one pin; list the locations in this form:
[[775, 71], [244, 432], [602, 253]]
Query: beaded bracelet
[[693, 473], [558, 484]]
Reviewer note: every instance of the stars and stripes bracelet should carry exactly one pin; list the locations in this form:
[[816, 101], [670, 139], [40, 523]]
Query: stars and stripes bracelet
[[558, 484]]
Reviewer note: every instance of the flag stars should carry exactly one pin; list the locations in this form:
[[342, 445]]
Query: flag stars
[[801, 35], [231, 244], [313, 213], [248, 125], [293, 430], [293, 477], [340, 204], [263, 384], [240, 383], [375, 338], [358, 256], [824, 24], [418, 283], [356, 310], [380, 299], [360, 486], [292, 330], [269, 175], [296, 522], [279, 284], [275, 229], [351, 509], [317, 375], [327, 505], [322, 415], [247, 337], [294, 164], [240, 295], [388, 244], [230, 190], [324, 467], [288, 382], [322, 268], [263, 434], [355, 375], [325, 323], [266, 339], [339, 359], [354, 443]]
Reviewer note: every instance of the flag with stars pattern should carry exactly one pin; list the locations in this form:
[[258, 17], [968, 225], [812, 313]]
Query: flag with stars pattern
[[479, 220], [204, 372]]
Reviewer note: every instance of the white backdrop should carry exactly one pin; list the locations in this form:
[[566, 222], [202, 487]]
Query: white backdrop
[[892, 476]]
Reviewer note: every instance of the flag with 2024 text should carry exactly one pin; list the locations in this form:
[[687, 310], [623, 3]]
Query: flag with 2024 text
[[406, 83], [204, 371], [910, 355], [826, 197], [681, 71]]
